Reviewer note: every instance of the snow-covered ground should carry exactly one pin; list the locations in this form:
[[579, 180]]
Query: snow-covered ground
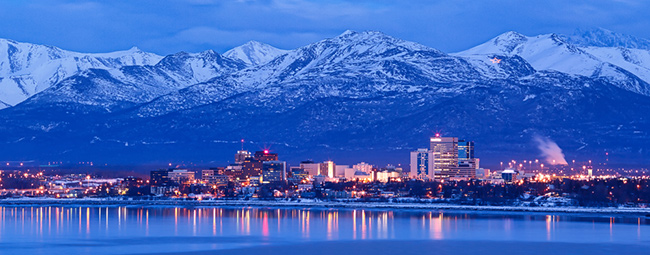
[[314, 203]]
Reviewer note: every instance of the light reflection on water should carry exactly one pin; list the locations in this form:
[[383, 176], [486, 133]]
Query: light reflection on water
[[110, 230]]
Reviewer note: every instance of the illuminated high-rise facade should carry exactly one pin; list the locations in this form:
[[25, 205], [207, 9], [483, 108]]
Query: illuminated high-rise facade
[[465, 150], [241, 156], [273, 171], [328, 168], [445, 155], [310, 167], [363, 167], [422, 164], [265, 155], [467, 163]]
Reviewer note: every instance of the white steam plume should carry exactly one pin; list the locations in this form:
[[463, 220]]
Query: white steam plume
[[550, 150]]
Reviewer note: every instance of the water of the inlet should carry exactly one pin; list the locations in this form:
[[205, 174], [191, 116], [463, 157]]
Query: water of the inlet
[[135, 230]]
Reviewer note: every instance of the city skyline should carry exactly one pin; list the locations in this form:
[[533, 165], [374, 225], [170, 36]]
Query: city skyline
[[286, 127]]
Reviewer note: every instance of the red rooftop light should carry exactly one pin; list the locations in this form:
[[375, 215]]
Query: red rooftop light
[[266, 151]]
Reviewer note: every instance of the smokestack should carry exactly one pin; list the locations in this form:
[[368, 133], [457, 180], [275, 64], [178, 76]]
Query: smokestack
[[550, 151]]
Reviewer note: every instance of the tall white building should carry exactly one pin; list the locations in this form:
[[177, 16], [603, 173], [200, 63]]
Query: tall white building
[[363, 167], [310, 167], [328, 168], [339, 170], [445, 154], [422, 164]]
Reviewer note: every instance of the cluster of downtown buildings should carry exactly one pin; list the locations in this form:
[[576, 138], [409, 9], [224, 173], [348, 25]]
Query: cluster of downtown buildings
[[448, 158], [448, 169]]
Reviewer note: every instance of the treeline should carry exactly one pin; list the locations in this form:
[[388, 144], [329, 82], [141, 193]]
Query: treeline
[[610, 192]]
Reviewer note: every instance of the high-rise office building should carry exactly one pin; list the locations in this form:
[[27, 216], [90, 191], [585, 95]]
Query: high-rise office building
[[445, 155], [339, 170], [206, 175], [328, 168], [181, 176], [465, 150], [241, 156], [159, 178], [251, 167], [363, 167], [273, 171], [265, 155], [235, 171], [298, 173], [467, 163], [310, 167], [422, 164]]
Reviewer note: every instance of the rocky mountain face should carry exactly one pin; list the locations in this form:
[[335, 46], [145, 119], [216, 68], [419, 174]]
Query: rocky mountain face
[[600, 37], [114, 89], [623, 67], [27, 69], [358, 96], [254, 53]]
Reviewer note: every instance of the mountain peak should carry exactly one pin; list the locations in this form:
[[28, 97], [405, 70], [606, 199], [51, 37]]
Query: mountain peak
[[7, 41], [134, 49], [375, 41], [348, 32], [209, 52], [508, 41], [254, 53], [253, 43], [511, 35], [354, 35]]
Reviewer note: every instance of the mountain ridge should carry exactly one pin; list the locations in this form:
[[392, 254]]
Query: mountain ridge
[[360, 94], [625, 69], [27, 69]]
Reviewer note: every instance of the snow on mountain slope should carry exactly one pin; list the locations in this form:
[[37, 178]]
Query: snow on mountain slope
[[27, 69], [112, 89], [347, 94], [625, 68], [354, 64], [254, 53], [636, 61], [600, 37], [500, 66], [543, 52], [192, 68], [355, 54]]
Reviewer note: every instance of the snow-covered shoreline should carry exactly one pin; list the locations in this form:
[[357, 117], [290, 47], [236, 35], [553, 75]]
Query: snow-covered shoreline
[[644, 212]]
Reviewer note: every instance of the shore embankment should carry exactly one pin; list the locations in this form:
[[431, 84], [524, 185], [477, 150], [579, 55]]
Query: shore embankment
[[309, 203]]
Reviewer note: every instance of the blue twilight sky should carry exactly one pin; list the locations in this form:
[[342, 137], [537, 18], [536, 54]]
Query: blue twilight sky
[[165, 27]]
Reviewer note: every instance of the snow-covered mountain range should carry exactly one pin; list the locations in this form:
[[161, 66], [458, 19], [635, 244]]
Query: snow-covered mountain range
[[111, 89], [27, 69], [627, 68], [359, 94]]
